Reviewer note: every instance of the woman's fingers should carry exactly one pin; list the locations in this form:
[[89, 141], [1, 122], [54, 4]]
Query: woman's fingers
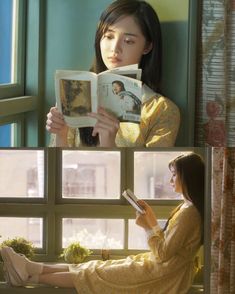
[[143, 204], [105, 117], [53, 127], [55, 122], [55, 115], [107, 114], [106, 127]]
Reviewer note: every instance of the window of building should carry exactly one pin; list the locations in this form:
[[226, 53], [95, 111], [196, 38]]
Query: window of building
[[56, 197], [12, 18], [21, 173], [6, 132], [90, 175], [16, 119], [94, 233], [30, 228], [152, 175]]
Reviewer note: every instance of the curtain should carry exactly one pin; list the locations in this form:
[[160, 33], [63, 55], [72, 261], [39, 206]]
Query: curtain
[[215, 98], [223, 221]]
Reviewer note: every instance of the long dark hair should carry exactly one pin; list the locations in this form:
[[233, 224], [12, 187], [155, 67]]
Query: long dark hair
[[147, 19], [120, 84], [190, 170]]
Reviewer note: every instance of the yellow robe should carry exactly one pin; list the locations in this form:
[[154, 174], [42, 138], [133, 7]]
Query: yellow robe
[[168, 268], [160, 119]]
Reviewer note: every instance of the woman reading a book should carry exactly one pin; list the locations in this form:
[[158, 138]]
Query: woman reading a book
[[169, 265], [128, 33]]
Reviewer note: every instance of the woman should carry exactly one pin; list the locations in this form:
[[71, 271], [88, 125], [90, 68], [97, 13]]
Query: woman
[[168, 267], [130, 104], [128, 33]]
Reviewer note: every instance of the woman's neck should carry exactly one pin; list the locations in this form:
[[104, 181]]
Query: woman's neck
[[187, 202]]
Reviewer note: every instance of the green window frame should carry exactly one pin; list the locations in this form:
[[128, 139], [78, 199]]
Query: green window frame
[[52, 208], [16, 88], [19, 101]]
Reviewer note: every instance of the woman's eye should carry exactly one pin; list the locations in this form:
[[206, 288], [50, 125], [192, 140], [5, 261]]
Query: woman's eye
[[108, 36], [129, 41]]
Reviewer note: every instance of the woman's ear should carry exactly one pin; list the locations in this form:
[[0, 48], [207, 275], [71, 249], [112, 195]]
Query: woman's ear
[[148, 48]]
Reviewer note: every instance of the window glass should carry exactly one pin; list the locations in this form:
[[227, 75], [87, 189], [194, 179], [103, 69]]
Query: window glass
[[8, 40], [137, 238], [91, 174], [152, 175], [21, 173], [30, 228], [6, 135], [93, 233]]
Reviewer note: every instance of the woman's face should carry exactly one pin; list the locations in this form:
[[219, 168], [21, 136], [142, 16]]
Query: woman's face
[[123, 44], [175, 181], [116, 88]]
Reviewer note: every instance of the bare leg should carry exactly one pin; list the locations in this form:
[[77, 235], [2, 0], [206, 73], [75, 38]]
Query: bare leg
[[21, 270], [54, 268], [59, 279]]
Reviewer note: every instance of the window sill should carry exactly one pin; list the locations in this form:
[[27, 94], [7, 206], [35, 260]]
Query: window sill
[[13, 106], [37, 289]]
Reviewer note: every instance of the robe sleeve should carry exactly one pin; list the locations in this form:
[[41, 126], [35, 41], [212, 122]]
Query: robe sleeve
[[160, 123], [184, 227]]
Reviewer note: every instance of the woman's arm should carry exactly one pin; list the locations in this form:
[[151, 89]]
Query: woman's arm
[[160, 122], [107, 127], [148, 219], [164, 245], [56, 125]]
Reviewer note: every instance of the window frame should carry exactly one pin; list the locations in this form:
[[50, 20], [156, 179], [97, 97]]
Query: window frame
[[18, 120], [52, 210], [22, 98], [17, 88]]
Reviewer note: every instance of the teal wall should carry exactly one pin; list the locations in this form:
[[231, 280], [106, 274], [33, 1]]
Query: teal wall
[[69, 35]]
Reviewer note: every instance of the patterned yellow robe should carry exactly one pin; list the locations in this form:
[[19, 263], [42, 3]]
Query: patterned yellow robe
[[160, 119], [168, 268]]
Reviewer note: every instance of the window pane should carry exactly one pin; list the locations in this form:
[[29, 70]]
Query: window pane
[[93, 233], [91, 174], [137, 237], [6, 46], [21, 173], [152, 175], [6, 135], [8, 40], [26, 227]]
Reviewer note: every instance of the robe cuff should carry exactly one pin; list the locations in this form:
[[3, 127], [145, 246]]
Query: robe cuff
[[153, 232]]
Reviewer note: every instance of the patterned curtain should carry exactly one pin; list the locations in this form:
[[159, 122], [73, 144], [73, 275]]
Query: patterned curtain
[[215, 113], [223, 221]]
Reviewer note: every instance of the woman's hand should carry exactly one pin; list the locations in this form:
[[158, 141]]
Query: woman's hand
[[106, 126], [148, 219], [55, 124]]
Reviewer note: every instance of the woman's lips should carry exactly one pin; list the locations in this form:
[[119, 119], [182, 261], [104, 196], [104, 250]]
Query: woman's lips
[[114, 60]]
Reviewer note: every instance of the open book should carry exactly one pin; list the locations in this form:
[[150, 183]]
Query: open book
[[119, 91], [132, 199]]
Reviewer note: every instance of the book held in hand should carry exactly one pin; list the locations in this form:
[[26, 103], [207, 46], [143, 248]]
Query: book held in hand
[[132, 199], [119, 91]]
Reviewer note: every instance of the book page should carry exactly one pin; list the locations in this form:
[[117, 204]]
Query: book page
[[131, 71], [76, 95], [133, 200], [121, 96]]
